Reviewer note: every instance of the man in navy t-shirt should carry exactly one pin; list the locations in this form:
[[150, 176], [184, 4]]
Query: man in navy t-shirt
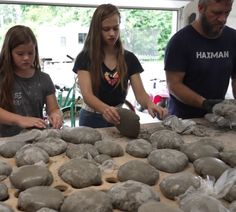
[[200, 59]]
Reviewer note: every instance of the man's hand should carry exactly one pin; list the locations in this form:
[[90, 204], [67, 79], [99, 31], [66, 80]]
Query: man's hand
[[208, 104]]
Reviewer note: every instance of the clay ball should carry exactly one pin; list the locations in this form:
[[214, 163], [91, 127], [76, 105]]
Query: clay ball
[[129, 123]]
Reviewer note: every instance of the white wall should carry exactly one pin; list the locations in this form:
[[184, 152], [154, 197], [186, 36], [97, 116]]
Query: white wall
[[51, 46], [232, 17], [187, 11], [193, 8]]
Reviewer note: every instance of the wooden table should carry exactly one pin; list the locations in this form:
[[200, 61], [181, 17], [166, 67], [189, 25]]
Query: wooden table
[[228, 137]]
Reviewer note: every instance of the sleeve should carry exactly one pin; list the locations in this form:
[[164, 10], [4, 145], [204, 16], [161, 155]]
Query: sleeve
[[133, 64], [233, 74], [81, 62], [48, 84], [175, 57]]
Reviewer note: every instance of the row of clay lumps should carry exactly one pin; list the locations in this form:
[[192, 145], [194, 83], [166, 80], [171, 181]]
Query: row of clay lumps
[[109, 177], [53, 165], [109, 174], [66, 189]]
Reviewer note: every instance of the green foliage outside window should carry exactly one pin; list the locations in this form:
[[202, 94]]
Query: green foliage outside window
[[145, 32]]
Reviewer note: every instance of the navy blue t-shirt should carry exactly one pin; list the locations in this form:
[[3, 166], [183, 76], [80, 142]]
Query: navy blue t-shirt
[[109, 93], [208, 65]]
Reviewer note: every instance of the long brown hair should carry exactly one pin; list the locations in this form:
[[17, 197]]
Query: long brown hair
[[94, 46], [14, 37]]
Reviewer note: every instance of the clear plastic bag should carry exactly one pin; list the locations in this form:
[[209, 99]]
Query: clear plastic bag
[[108, 166], [206, 197]]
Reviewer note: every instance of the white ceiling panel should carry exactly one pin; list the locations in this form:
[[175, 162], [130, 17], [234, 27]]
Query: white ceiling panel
[[145, 4]]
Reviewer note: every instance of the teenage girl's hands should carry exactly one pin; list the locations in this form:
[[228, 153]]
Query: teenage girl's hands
[[143, 98], [156, 111], [56, 120], [111, 115]]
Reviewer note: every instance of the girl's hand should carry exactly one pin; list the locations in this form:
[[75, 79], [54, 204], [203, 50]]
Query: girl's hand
[[32, 122], [111, 115], [157, 111], [56, 119]]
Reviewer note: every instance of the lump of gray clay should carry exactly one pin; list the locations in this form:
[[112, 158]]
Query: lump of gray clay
[[31, 175], [30, 155], [35, 198], [210, 166], [129, 123], [201, 202], [109, 148], [168, 160], [166, 139], [225, 113], [46, 210], [80, 173], [138, 171], [139, 148], [81, 135], [146, 133], [46, 133], [81, 151], [232, 207], [3, 192], [5, 208], [52, 145], [10, 145], [87, 200], [229, 157], [155, 206], [129, 195], [198, 150], [5, 170], [9, 149], [231, 195], [176, 184], [213, 142], [26, 137]]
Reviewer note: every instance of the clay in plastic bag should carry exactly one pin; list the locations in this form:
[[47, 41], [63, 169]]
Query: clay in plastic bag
[[206, 197]]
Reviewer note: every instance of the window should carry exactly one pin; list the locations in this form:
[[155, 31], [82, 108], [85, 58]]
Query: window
[[61, 31], [63, 41], [81, 37]]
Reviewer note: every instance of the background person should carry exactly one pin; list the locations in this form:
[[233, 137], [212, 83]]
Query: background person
[[24, 89], [199, 61], [104, 70]]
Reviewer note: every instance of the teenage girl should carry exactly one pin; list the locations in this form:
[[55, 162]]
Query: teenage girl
[[105, 69]]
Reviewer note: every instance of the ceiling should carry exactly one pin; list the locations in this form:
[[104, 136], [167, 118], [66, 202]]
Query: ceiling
[[142, 4]]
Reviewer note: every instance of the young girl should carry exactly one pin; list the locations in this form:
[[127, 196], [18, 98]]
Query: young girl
[[104, 71], [24, 89]]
